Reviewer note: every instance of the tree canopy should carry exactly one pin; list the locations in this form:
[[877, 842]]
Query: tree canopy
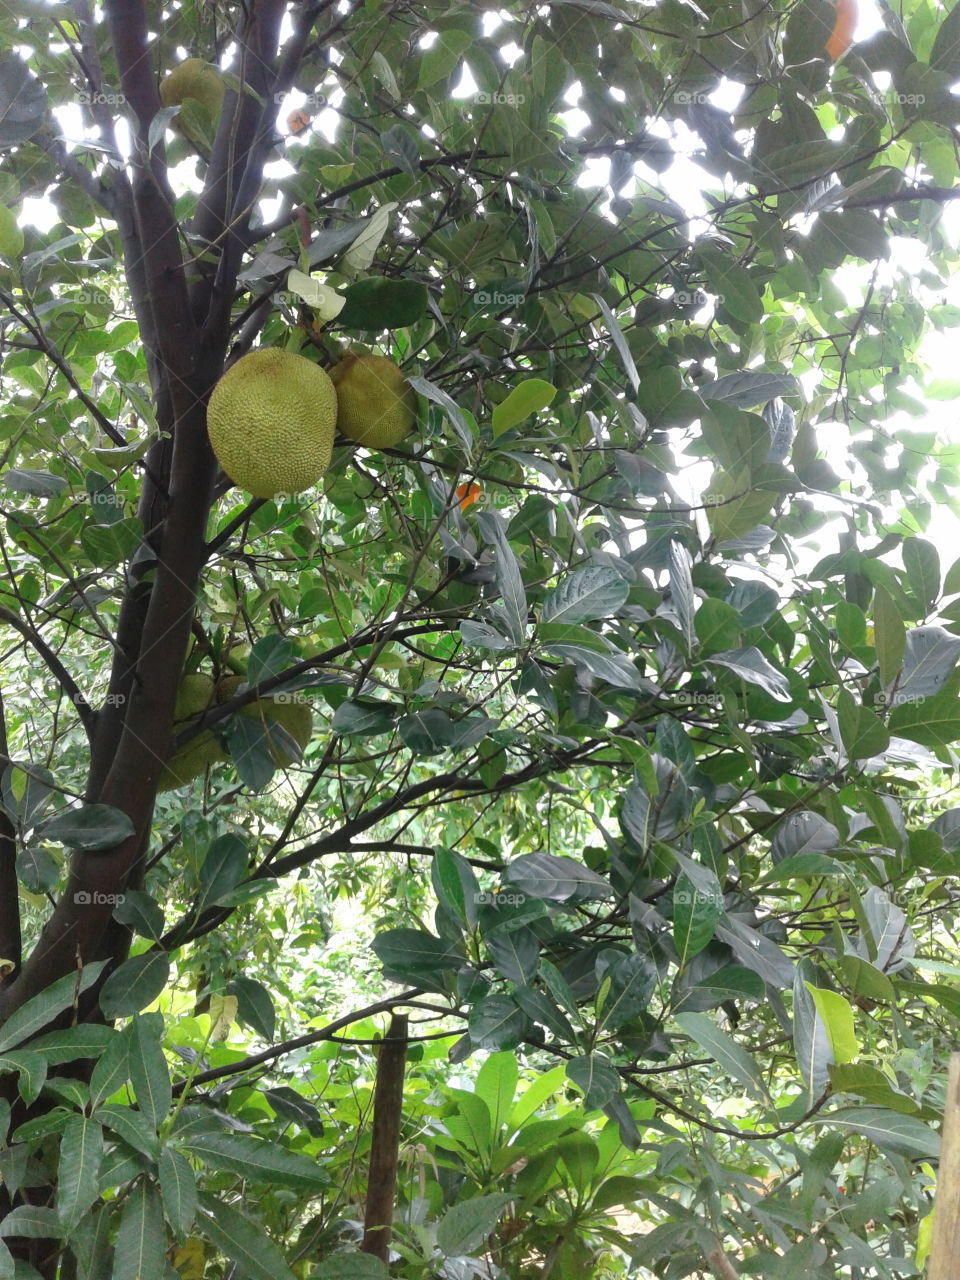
[[630, 674]]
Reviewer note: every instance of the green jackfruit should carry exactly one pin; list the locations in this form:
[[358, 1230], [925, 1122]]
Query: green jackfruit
[[271, 421], [376, 406], [190, 84], [197, 692]]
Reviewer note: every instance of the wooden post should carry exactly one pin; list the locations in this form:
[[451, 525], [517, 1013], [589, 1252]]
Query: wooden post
[[385, 1141], [945, 1249]]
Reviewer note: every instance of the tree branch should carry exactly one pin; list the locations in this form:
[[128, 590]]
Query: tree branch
[[300, 1042], [72, 167], [11, 942]]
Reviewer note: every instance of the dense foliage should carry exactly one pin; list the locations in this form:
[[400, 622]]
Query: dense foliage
[[632, 669]]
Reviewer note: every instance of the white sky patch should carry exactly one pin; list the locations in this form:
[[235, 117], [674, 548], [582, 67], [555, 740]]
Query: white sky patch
[[466, 86]]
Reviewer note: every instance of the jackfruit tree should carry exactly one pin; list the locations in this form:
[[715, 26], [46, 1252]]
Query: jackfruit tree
[[478, 559]]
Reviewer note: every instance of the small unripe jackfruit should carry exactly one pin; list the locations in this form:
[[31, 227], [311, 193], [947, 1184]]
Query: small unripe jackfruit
[[193, 78], [197, 692], [271, 422], [376, 406]]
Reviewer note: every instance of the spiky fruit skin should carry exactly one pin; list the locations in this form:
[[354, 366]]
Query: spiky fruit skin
[[193, 78], [271, 420], [197, 692], [376, 406], [294, 718]]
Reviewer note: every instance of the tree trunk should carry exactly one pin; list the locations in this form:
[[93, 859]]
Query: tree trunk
[[385, 1143]]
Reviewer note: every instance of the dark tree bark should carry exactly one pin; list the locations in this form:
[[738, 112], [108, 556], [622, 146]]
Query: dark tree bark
[[385, 1141]]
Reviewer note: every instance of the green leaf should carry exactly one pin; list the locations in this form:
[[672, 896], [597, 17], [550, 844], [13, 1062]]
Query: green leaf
[[695, 917], [861, 730], [734, 506], [415, 950], [86, 1040], [108, 545], [527, 397], [91, 828], [496, 1023], [222, 869], [402, 146], [585, 595], [254, 1006], [427, 732], [750, 665], [542, 1008], [363, 718], [442, 57], [471, 1125], [545, 875], [242, 1240], [111, 1071], [463, 423], [178, 1190], [930, 656], [257, 1160], [141, 912], [872, 1085], [892, 1132], [733, 286], [889, 635], [455, 884], [922, 563], [933, 722], [251, 750], [378, 303], [137, 983], [717, 625], [148, 1067], [496, 1084], [596, 1077], [81, 1151], [23, 102], [141, 1240], [514, 607], [945, 54], [810, 1040], [516, 955], [44, 1007], [731, 1056], [536, 1094], [620, 342], [752, 387], [803, 833], [865, 980], [38, 483], [614, 668], [732, 982], [132, 1126], [837, 1017], [463, 1229], [35, 1222]]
